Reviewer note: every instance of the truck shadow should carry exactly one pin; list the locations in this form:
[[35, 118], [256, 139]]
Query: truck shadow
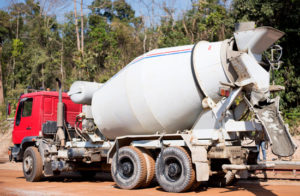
[[250, 186], [253, 187], [75, 177], [256, 189]]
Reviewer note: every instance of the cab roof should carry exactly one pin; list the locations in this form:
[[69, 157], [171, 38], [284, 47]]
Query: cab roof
[[44, 93]]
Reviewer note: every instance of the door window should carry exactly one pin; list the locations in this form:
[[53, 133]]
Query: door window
[[24, 110], [27, 108]]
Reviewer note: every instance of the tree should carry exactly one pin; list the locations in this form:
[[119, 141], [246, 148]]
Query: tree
[[76, 27], [1, 83], [207, 20], [82, 29], [123, 11], [4, 33], [102, 8]]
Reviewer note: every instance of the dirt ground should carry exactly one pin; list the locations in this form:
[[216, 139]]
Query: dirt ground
[[12, 183], [5, 142]]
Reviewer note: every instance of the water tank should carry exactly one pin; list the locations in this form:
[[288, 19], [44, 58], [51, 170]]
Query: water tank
[[81, 92], [160, 91]]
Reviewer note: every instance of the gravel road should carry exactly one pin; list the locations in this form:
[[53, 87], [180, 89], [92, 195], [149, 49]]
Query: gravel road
[[12, 183]]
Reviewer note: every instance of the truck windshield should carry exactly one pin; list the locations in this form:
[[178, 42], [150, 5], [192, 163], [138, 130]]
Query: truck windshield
[[24, 110]]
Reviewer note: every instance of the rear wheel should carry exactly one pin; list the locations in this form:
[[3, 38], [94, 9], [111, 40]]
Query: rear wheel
[[32, 164], [174, 170], [150, 164], [129, 170]]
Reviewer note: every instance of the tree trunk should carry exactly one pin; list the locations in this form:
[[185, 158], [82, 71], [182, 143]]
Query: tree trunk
[[76, 26], [43, 77], [13, 72], [14, 58], [144, 41], [17, 33], [1, 83], [82, 30]]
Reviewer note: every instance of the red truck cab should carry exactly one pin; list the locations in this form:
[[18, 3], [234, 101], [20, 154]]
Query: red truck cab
[[35, 109]]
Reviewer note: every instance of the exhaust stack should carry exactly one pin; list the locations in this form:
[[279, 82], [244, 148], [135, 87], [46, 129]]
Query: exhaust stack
[[60, 117]]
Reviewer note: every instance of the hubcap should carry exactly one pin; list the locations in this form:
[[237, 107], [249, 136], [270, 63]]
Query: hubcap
[[28, 164], [126, 168], [172, 169]]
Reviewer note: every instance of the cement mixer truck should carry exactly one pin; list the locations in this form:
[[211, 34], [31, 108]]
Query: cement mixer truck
[[179, 115]]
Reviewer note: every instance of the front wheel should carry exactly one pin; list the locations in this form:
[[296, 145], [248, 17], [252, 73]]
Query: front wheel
[[32, 164], [174, 170]]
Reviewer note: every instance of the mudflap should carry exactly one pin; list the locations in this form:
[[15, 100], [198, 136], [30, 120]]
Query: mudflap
[[277, 132]]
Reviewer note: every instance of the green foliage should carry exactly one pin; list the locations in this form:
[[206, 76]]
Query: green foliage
[[207, 20], [4, 25], [4, 124], [17, 47], [123, 10], [172, 35]]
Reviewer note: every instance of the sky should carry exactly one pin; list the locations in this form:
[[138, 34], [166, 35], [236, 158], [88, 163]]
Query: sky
[[141, 7]]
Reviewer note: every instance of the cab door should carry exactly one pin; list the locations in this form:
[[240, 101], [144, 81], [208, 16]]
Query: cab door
[[24, 120]]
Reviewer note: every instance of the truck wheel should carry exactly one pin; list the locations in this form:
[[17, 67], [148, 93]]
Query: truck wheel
[[150, 164], [32, 164], [174, 170], [130, 170]]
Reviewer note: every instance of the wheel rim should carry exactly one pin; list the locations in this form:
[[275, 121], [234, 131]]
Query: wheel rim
[[126, 168], [172, 169], [28, 164]]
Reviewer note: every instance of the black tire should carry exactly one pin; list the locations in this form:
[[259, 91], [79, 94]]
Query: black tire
[[32, 164], [174, 170], [150, 164], [132, 171]]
